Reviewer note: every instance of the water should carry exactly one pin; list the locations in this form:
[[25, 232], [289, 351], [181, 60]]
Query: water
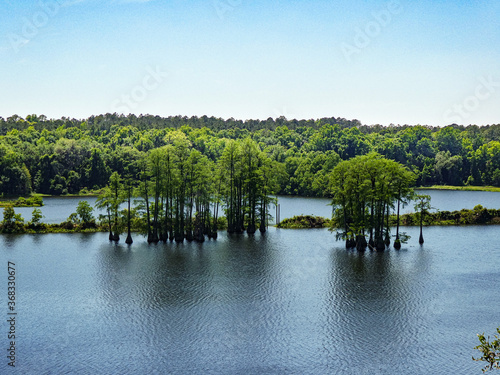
[[287, 302], [443, 200], [446, 200], [58, 209]]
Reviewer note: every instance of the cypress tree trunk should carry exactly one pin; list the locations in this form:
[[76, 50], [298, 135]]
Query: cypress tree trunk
[[387, 234], [162, 224], [148, 216], [206, 218], [379, 240], [263, 215], [156, 211], [182, 227], [189, 225], [361, 243], [371, 242], [251, 229], [352, 242], [189, 229], [109, 224], [240, 215], [129, 236], [346, 227], [232, 198], [179, 221], [116, 236], [170, 223], [198, 228], [421, 238], [216, 214], [397, 242], [380, 244], [169, 230]]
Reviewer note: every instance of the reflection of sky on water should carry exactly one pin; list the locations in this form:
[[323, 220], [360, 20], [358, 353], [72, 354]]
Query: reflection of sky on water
[[289, 301], [443, 200], [58, 209]]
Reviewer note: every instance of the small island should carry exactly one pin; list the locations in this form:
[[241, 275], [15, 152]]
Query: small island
[[479, 215], [304, 222], [35, 200]]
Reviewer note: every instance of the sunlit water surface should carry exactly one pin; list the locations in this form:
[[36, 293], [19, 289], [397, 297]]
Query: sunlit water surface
[[287, 302], [58, 209]]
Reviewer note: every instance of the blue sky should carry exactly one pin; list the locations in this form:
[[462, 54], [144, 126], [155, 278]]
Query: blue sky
[[381, 62]]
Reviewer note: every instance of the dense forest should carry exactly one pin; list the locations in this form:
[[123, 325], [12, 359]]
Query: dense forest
[[180, 191], [365, 189], [69, 156]]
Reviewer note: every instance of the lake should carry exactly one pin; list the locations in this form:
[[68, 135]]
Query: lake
[[287, 302], [443, 200], [58, 209]]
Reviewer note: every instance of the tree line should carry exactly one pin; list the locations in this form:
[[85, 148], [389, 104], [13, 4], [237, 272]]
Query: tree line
[[365, 190], [175, 192], [69, 156]]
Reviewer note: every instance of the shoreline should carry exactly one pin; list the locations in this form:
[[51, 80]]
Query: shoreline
[[460, 188], [478, 216], [10, 199], [89, 231]]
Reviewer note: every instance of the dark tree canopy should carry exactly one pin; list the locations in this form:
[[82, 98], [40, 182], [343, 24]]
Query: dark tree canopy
[[60, 156]]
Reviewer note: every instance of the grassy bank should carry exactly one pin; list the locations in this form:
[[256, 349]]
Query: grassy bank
[[463, 188], [81, 193], [304, 222], [477, 216], [60, 228], [33, 201], [18, 227]]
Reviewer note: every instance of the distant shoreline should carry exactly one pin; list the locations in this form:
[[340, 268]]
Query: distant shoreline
[[477, 216], [460, 188], [96, 193]]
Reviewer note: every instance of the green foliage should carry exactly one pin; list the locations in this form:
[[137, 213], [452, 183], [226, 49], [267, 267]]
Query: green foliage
[[36, 221], [12, 222], [422, 203], [179, 191], [84, 211], [490, 351], [33, 201], [110, 199], [68, 224], [73, 218], [422, 206], [15, 178], [36, 216], [404, 237], [464, 188], [66, 156], [477, 216], [304, 221], [364, 190], [246, 177], [96, 173]]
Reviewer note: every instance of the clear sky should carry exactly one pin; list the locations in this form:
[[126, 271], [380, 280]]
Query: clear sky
[[403, 62]]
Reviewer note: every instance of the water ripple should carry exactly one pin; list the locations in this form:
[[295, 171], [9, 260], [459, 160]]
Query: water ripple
[[291, 302]]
